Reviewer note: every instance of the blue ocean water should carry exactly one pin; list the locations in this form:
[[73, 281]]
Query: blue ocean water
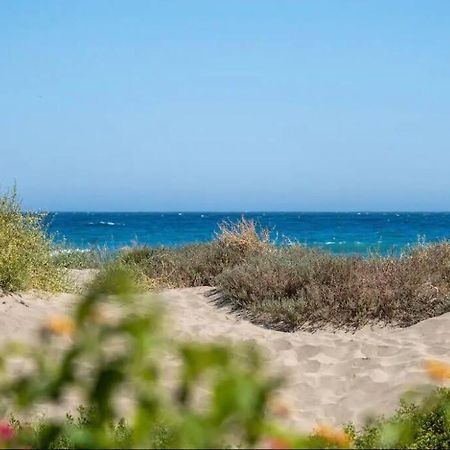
[[351, 233]]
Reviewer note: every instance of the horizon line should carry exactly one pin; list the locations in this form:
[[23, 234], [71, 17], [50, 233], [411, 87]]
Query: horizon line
[[356, 211]]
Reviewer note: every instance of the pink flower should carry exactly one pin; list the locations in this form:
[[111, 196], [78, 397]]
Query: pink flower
[[7, 432]]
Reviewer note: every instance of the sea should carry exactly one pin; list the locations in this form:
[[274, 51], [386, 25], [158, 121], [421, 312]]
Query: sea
[[360, 233]]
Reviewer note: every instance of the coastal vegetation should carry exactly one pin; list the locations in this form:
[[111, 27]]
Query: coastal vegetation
[[200, 264], [423, 422], [26, 260], [286, 287], [291, 287]]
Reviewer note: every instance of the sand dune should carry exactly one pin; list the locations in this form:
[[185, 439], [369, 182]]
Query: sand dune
[[330, 377]]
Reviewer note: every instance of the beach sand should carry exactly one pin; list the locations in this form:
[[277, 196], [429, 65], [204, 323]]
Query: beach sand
[[331, 377]]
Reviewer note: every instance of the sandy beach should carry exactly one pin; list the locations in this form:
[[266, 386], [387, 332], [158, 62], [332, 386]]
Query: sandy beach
[[331, 377]]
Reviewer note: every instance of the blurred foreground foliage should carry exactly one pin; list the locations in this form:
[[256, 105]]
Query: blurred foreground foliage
[[113, 347], [422, 421]]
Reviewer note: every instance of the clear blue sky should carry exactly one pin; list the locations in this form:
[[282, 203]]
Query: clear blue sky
[[226, 105]]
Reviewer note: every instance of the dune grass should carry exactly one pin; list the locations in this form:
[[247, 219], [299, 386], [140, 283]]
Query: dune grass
[[292, 287], [199, 264], [25, 250]]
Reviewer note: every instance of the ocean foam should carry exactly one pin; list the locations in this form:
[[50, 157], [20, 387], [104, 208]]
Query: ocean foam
[[111, 224]]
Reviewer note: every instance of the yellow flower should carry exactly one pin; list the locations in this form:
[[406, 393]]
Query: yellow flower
[[438, 370], [333, 436], [61, 325]]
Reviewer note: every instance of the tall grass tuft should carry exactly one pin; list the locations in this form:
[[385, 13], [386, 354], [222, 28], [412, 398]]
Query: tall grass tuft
[[25, 250], [243, 236]]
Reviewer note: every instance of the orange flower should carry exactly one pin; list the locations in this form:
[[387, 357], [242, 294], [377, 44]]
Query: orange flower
[[333, 435], [438, 370], [61, 325]]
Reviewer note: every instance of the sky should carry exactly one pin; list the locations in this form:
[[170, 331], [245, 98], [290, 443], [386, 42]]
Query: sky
[[232, 105]]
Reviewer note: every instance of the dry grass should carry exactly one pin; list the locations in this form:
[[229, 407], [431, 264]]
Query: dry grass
[[243, 236], [296, 288]]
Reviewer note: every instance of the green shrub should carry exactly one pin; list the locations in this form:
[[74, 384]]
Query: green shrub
[[38, 434], [419, 423], [25, 250]]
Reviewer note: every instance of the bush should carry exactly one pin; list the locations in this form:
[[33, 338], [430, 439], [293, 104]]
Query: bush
[[25, 250], [292, 287], [199, 264], [417, 424]]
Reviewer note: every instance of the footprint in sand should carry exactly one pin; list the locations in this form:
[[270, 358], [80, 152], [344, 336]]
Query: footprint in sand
[[282, 344]]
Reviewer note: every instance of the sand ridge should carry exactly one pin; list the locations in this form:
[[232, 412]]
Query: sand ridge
[[331, 377]]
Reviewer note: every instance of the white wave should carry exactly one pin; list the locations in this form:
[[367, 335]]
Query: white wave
[[111, 224], [65, 251]]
